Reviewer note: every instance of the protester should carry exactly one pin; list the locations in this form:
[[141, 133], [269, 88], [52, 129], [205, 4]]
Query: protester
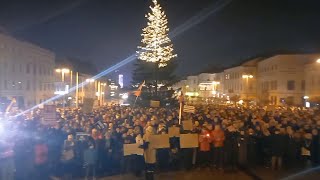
[[232, 147], [315, 151], [90, 159], [6, 161], [306, 149], [293, 148], [107, 155], [204, 148], [41, 158], [68, 157], [278, 146], [243, 141], [149, 153], [138, 160], [218, 138], [228, 136]]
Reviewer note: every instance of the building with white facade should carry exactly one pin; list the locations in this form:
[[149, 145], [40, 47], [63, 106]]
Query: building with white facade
[[282, 80], [205, 86], [192, 86], [240, 81], [285, 79], [208, 85], [312, 80], [26, 71], [219, 77]]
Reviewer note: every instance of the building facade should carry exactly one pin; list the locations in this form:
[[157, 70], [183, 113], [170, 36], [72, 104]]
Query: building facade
[[240, 82], [208, 85], [204, 87], [26, 72], [192, 86], [312, 81], [282, 80], [285, 79]]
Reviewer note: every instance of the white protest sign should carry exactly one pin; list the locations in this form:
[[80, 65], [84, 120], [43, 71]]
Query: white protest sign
[[131, 149]]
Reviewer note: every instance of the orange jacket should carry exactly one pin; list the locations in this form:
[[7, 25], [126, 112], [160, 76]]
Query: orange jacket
[[204, 142], [217, 138]]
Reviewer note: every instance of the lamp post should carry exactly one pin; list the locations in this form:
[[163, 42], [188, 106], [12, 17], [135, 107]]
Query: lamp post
[[99, 93], [77, 86], [77, 89], [82, 93], [103, 92], [247, 77], [63, 71], [71, 78]]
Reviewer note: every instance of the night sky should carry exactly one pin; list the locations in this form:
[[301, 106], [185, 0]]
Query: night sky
[[107, 31]]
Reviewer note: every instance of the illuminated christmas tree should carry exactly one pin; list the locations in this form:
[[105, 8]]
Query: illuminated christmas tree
[[157, 46]]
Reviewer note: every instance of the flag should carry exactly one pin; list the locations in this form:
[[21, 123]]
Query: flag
[[138, 91]]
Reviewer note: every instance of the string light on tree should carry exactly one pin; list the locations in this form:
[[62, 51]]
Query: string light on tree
[[157, 46]]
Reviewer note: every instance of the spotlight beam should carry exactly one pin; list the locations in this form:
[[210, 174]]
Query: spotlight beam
[[197, 19], [200, 17], [302, 174], [107, 71]]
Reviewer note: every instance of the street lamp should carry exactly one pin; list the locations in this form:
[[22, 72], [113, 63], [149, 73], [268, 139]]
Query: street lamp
[[318, 61], [63, 71], [90, 80], [102, 91], [247, 77]]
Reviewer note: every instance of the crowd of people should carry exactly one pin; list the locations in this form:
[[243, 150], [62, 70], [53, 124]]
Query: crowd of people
[[92, 143]]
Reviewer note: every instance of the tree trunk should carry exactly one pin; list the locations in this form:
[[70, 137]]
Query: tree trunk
[[156, 69]]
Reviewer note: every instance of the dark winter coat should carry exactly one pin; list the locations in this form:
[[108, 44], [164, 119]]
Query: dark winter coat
[[278, 144]]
